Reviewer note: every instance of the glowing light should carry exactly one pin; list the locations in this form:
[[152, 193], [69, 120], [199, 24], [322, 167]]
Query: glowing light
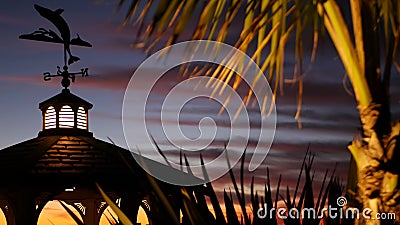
[[66, 117], [54, 213], [50, 118], [3, 219], [109, 214], [142, 217], [81, 118]]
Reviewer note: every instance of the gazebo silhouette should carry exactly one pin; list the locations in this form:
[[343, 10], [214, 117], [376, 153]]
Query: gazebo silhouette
[[65, 162]]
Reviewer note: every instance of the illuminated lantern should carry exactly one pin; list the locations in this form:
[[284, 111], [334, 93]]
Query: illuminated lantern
[[65, 113]]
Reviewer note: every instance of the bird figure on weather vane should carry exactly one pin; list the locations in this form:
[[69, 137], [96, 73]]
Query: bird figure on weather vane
[[48, 35]]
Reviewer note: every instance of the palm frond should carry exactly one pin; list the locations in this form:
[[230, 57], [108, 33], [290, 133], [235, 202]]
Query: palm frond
[[121, 215], [269, 25], [77, 220]]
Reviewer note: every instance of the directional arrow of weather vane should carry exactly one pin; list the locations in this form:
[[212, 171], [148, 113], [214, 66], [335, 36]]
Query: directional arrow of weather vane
[[64, 37]]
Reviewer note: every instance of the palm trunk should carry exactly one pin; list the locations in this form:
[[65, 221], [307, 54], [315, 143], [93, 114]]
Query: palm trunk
[[377, 153], [377, 170]]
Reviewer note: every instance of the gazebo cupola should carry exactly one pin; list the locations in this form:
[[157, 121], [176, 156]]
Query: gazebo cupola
[[65, 113]]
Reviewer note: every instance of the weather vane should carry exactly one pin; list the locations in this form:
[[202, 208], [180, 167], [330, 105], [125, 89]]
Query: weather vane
[[64, 38]]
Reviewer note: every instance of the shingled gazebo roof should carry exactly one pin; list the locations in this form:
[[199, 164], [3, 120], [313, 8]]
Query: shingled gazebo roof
[[73, 158]]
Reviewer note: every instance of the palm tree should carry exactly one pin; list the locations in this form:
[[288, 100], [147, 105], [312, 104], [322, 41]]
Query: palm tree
[[369, 55]]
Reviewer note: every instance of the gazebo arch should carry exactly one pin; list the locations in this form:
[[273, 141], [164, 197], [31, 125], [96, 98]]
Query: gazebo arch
[[45, 216]]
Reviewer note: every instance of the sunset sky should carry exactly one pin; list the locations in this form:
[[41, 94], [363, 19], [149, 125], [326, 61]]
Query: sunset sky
[[329, 115]]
